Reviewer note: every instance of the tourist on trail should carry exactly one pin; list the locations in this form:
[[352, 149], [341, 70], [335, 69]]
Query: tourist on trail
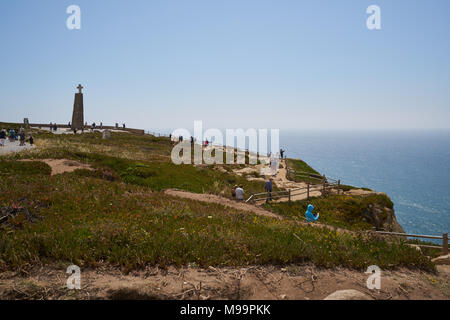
[[55, 128], [282, 153], [31, 140], [310, 217], [2, 138], [12, 135], [240, 193], [22, 138], [101, 125], [123, 124], [192, 140], [268, 189]]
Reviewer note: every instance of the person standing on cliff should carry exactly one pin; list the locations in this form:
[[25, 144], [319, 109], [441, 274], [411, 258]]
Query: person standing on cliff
[[2, 138], [268, 189]]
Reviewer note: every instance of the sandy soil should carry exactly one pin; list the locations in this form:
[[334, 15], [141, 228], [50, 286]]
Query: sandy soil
[[255, 282], [62, 165]]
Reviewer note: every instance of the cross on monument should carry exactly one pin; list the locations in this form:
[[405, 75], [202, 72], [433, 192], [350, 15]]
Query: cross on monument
[[80, 87]]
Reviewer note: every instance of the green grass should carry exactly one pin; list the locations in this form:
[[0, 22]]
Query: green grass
[[117, 215], [303, 170], [340, 211], [91, 221], [153, 168], [23, 167]]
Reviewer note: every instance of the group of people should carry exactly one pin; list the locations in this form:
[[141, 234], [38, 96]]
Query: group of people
[[53, 127], [12, 136]]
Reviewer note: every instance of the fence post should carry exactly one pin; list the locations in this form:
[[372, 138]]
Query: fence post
[[445, 244], [339, 185], [307, 190], [289, 196]]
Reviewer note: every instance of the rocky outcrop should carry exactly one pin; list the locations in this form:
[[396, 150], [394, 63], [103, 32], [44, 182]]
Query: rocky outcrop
[[380, 213], [442, 260], [348, 295]]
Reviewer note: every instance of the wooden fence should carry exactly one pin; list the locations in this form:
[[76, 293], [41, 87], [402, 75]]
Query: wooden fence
[[314, 182], [444, 239], [323, 188]]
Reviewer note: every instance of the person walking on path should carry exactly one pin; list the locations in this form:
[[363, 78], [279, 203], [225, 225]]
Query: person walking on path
[[240, 193], [22, 138], [31, 140], [268, 189], [2, 138]]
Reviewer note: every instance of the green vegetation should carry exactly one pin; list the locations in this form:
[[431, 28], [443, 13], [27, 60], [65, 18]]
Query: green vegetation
[[118, 215], [301, 166], [301, 171], [339, 211], [23, 167], [91, 221]]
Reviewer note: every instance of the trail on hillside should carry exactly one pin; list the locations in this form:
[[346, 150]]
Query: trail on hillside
[[211, 198], [247, 207], [282, 182]]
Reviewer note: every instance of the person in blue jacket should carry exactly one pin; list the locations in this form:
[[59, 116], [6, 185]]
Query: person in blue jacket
[[310, 217]]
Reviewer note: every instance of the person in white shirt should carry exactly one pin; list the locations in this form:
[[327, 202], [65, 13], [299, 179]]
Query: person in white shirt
[[239, 193]]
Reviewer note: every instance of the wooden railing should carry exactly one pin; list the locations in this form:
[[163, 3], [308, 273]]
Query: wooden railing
[[323, 188], [444, 239]]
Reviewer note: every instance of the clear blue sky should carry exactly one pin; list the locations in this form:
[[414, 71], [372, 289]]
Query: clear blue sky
[[235, 63]]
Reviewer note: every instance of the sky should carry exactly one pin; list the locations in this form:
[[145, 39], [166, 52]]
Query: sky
[[231, 64]]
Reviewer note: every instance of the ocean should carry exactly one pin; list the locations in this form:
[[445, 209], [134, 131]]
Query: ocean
[[411, 167]]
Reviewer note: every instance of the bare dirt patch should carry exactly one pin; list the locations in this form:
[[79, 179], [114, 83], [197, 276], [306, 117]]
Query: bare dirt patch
[[59, 166], [291, 282]]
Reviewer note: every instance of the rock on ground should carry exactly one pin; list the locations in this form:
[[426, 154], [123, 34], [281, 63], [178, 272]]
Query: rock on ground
[[348, 295]]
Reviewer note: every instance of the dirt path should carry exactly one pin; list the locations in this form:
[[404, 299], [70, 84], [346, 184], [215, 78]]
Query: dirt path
[[282, 182], [14, 147], [293, 282], [59, 166], [223, 201]]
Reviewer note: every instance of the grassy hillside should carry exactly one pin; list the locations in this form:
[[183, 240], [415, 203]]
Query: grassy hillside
[[340, 211], [118, 215]]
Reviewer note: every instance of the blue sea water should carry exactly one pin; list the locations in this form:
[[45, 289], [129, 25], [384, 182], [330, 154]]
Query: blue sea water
[[412, 167]]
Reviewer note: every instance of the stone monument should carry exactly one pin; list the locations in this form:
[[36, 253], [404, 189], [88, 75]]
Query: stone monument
[[78, 110]]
